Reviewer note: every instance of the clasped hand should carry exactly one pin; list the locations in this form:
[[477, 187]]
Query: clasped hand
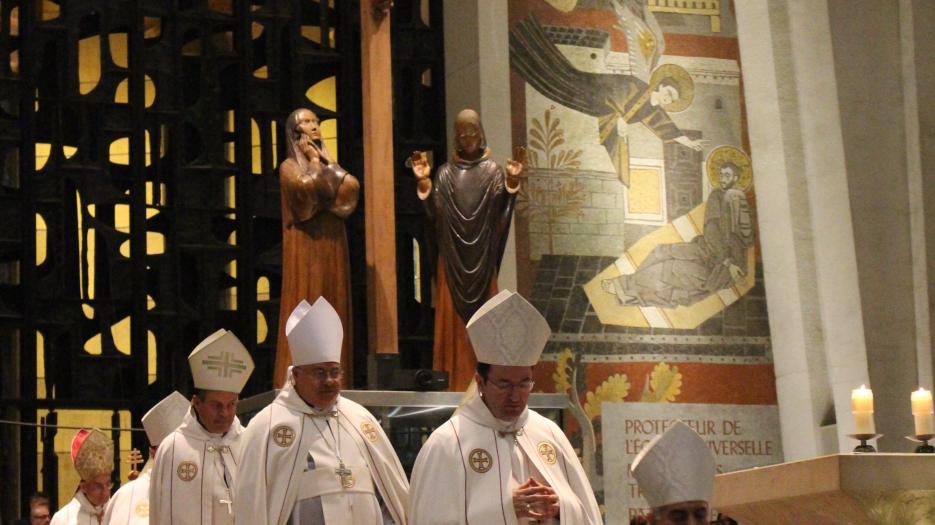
[[535, 501]]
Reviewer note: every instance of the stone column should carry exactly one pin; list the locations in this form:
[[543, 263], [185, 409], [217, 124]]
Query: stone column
[[838, 134], [803, 391]]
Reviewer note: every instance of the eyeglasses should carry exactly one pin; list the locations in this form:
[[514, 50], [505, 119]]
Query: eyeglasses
[[503, 386], [322, 374]]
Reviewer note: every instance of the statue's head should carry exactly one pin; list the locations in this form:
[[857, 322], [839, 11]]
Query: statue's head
[[470, 140], [302, 128]]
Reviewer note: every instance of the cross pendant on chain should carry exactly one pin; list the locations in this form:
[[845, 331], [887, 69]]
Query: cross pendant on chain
[[347, 478]]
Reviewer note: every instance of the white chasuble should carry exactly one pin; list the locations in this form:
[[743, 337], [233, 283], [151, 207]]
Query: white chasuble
[[130, 504], [290, 467], [78, 511], [193, 475], [468, 468]]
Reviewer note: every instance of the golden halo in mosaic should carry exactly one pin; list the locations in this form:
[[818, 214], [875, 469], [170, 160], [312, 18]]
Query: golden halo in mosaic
[[679, 76], [729, 154]]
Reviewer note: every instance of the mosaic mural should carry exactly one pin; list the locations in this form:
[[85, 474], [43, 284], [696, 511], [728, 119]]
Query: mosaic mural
[[638, 216]]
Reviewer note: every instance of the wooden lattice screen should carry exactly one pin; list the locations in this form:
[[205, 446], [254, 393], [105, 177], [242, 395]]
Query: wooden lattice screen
[[153, 188]]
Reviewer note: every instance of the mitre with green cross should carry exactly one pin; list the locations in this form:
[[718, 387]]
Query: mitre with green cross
[[220, 363]]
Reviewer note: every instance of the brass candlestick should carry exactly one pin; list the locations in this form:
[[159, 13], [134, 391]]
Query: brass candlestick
[[864, 447], [924, 448]]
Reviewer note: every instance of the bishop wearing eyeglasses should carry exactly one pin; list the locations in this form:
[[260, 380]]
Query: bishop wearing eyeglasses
[[495, 461], [312, 457]]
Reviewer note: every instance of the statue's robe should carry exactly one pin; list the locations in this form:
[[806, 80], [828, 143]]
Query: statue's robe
[[315, 261], [470, 208]]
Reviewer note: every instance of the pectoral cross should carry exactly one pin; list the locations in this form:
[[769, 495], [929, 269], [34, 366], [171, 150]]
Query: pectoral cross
[[227, 502], [347, 478]]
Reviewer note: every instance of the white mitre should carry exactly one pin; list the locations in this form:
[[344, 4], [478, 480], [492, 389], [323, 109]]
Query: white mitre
[[508, 331], [221, 362], [675, 467], [165, 417], [315, 333]]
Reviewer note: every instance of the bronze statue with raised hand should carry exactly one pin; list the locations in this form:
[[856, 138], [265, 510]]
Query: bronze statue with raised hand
[[470, 204]]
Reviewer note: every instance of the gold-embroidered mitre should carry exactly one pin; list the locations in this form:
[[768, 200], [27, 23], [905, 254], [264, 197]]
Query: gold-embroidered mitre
[[92, 452]]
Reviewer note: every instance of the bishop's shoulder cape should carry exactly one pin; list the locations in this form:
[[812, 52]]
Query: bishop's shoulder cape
[[130, 504], [463, 472], [265, 493], [187, 481], [78, 511]]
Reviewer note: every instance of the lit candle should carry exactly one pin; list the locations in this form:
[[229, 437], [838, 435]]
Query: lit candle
[[862, 400], [922, 412], [862, 408]]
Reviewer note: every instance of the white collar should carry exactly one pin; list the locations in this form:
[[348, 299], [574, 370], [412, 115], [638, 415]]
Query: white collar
[[476, 410]]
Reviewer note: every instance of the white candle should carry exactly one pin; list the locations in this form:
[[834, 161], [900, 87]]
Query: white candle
[[862, 400], [863, 423], [922, 412], [925, 424]]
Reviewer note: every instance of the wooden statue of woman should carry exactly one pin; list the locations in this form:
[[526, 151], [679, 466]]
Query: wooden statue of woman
[[317, 195], [470, 204]]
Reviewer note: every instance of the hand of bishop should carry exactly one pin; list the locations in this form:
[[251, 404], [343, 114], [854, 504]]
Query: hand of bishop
[[535, 501]]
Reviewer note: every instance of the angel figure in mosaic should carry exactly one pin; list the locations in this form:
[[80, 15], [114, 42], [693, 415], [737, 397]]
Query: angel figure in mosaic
[[617, 100]]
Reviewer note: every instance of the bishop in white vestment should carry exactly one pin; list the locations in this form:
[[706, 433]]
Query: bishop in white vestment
[[675, 472], [130, 504], [196, 465], [495, 461], [93, 455], [313, 457]]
